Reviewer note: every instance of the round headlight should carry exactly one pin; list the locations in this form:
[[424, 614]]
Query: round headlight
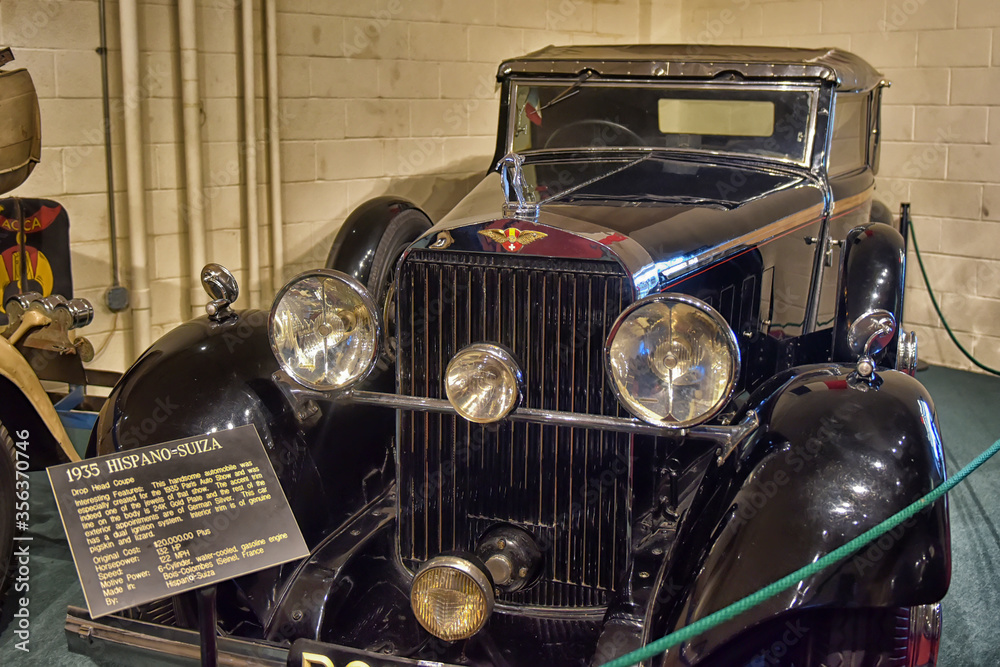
[[452, 597], [482, 383], [673, 360], [324, 330]]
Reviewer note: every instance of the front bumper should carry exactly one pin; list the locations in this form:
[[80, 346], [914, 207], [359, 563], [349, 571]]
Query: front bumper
[[114, 639]]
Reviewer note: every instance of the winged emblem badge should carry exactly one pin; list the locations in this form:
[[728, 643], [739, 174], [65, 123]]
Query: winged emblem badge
[[512, 239]]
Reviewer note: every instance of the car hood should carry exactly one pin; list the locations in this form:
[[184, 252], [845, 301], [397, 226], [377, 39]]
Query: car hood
[[662, 216]]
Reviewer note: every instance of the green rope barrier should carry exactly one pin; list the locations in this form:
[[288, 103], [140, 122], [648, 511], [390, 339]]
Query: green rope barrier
[[754, 599], [937, 308]]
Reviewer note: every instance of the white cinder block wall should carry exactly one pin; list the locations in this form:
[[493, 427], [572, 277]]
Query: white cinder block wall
[[377, 97], [397, 96], [57, 40], [941, 150]]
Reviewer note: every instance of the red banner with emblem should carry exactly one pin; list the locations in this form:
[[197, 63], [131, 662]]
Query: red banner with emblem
[[34, 249]]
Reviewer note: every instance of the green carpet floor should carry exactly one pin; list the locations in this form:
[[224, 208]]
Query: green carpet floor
[[969, 416]]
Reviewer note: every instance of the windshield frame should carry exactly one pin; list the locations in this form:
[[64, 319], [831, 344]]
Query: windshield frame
[[810, 87]]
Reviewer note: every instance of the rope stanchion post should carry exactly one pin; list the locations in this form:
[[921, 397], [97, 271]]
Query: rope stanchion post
[[754, 599], [934, 302]]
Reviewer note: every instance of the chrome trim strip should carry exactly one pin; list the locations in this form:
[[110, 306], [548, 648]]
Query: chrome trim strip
[[554, 613], [819, 260], [849, 72], [925, 634], [649, 277], [722, 434], [133, 641]]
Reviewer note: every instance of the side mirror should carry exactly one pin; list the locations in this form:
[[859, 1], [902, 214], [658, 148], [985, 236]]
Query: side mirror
[[869, 335], [20, 126], [222, 287]]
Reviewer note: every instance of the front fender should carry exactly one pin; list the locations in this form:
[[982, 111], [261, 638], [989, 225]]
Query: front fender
[[201, 376], [354, 248], [205, 376], [829, 462]]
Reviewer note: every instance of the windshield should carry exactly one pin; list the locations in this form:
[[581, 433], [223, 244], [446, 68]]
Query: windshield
[[769, 121]]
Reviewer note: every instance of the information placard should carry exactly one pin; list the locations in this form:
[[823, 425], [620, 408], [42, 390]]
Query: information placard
[[160, 520]]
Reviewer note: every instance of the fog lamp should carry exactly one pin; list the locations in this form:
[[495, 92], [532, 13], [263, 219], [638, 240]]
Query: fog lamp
[[324, 330], [482, 383], [452, 597], [673, 360]]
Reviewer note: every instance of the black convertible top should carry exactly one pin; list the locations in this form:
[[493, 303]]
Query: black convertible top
[[848, 71]]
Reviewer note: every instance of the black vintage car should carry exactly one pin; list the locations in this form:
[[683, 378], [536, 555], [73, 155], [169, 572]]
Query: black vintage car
[[649, 365]]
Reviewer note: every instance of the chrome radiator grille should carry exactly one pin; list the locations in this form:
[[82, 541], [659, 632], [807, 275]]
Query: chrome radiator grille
[[569, 487]]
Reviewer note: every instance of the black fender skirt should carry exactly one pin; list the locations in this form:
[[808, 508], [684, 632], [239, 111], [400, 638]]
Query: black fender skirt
[[831, 459]]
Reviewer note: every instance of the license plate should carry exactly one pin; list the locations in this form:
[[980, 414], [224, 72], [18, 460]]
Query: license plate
[[308, 653]]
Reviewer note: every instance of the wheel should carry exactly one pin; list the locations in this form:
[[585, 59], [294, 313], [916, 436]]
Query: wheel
[[594, 132], [894, 637], [7, 508], [880, 213], [173, 611], [404, 228], [181, 611]]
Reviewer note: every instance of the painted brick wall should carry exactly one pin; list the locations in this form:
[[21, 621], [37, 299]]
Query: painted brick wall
[[941, 147], [397, 96], [384, 96], [57, 40]]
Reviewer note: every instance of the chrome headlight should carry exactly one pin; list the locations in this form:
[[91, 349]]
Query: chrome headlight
[[672, 359], [482, 382], [324, 330]]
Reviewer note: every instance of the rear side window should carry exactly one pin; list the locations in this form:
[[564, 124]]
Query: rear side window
[[849, 146]]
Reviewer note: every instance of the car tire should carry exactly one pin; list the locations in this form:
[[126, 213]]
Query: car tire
[[7, 509], [857, 638], [178, 611], [881, 213], [404, 229], [875, 637]]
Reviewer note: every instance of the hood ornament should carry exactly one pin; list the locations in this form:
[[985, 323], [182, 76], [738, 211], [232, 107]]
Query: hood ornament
[[519, 199]]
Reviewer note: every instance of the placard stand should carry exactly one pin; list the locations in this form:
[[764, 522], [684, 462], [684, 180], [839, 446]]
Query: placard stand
[[208, 621], [157, 521]]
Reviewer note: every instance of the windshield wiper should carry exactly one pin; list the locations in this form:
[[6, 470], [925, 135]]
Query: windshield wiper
[[568, 91], [648, 198], [591, 181]]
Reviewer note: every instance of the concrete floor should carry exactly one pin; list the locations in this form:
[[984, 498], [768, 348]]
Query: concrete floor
[[969, 420]]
